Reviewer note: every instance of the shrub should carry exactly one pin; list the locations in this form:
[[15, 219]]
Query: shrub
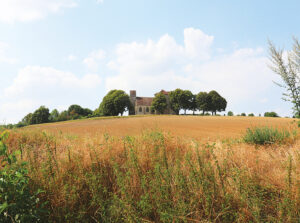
[[230, 113], [17, 202], [271, 114], [265, 135], [243, 114], [251, 115]]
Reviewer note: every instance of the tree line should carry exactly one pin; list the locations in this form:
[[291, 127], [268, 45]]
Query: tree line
[[117, 102]]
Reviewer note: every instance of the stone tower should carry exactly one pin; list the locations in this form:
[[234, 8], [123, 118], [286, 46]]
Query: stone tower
[[132, 100]]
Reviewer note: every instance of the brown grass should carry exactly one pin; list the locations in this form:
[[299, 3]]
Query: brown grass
[[254, 183]]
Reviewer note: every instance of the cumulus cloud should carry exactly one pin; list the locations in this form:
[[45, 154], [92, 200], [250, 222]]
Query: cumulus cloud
[[92, 61], [239, 76], [3, 54], [28, 10], [35, 86]]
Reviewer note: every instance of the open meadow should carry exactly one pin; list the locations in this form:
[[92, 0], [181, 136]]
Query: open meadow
[[149, 169]]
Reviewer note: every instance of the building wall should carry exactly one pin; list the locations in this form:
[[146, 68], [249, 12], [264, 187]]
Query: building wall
[[142, 110]]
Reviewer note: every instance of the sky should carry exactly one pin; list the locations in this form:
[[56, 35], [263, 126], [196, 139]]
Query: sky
[[62, 52]]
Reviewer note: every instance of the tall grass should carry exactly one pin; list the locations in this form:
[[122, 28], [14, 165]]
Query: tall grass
[[155, 177], [266, 135]]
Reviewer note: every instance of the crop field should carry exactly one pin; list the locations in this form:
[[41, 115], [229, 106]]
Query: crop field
[[204, 128], [156, 169]]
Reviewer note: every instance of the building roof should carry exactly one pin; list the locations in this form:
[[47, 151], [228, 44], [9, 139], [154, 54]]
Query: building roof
[[164, 92], [144, 101]]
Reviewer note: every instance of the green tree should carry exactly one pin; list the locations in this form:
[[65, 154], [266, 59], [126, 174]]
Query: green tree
[[186, 100], [54, 115], [114, 103], [271, 114], [27, 120], [41, 115], [193, 104], [217, 102], [289, 71], [230, 113], [175, 100], [63, 116], [159, 103], [203, 101]]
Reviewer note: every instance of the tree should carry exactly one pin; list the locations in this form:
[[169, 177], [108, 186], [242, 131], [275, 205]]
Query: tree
[[203, 100], [193, 104], [289, 71], [186, 100], [175, 100], [54, 115], [27, 120], [271, 114], [63, 116], [251, 115], [114, 103], [159, 103], [230, 113], [217, 102], [41, 115]]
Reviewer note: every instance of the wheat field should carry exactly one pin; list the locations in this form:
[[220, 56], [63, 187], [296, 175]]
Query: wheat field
[[204, 128]]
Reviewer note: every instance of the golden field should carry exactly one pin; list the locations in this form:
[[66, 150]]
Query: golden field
[[204, 128], [162, 169]]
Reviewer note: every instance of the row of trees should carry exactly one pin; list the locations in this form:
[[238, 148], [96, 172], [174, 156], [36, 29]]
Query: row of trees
[[42, 115], [186, 100], [116, 102]]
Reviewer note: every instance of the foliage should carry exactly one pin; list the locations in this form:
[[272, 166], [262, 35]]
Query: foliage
[[271, 114], [175, 100], [17, 202], [114, 103], [265, 135], [76, 112], [159, 103], [54, 115], [217, 102], [230, 113], [243, 114], [203, 101], [289, 71], [186, 100], [41, 115], [251, 115]]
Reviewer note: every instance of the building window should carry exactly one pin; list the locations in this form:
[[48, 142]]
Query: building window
[[147, 109], [140, 109]]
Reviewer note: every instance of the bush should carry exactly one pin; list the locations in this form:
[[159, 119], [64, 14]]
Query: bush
[[271, 114], [17, 202], [265, 135], [251, 115], [243, 114], [230, 113]]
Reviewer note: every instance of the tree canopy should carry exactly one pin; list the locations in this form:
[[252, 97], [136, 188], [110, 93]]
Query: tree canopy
[[114, 103], [159, 103]]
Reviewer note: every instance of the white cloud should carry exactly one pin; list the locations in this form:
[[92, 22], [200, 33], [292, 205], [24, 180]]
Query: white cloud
[[35, 86], [71, 57], [28, 10], [3, 54], [240, 76], [39, 79], [92, 61]]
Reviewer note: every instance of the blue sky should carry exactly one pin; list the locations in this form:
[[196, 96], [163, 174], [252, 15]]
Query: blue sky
[[60, 52]]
